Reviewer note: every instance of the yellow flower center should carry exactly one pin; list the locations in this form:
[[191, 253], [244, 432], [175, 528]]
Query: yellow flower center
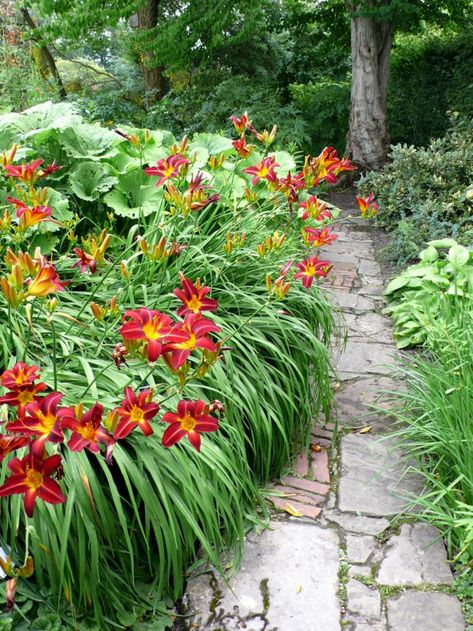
[[189, 344], [168, 171], [188, 423], [309, 270], [21, 378], [25, 397], [151, 329], [194, 304], [136, 414], [47, 421], [87, 431], [34, 479], [263, 171]]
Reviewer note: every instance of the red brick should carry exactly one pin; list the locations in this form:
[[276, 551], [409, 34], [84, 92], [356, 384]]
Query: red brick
[[304, 509], [301, 465], [298, 496], [320, 469], [306, 485]]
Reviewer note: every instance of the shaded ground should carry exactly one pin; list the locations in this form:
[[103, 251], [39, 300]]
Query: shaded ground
[[341, 564]]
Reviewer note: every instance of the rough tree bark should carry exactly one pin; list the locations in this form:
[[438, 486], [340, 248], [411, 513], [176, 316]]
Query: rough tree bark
[[153, 75], [371, 42], [47, 60]]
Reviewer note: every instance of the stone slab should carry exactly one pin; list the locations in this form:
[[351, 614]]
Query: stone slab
[[360, 548], [350, 302], [363, 600], [369, 268], [358, 523], [425, 611], [372, 326], [363, 358], [373, 477], [291, 563], [417, 555]]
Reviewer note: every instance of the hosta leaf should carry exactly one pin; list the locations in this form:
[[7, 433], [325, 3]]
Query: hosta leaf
[[214, 143], [90, 179], [442, 243], [458, 255], [285, 160]]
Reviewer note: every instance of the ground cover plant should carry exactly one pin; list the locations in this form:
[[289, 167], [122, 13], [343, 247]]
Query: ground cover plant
[[426, 193], [153, 292]]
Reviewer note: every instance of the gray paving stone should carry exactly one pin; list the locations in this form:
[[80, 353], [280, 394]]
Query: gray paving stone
[[354, 402], [369, 626], [368, 325], [298, 562], [360, 548], [359, 570], [373, 477], [349, 301], [417, 555], [358, 523], [369, 268], [363, 600], [425, 611], [360, 357]]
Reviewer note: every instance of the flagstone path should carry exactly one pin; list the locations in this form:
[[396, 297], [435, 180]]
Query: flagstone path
[[341, 564]]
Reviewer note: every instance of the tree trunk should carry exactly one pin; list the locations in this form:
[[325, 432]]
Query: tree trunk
[[153, 74], [47, 60], [368, 137]]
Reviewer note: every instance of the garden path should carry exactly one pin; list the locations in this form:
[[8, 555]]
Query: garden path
[[342, 563]]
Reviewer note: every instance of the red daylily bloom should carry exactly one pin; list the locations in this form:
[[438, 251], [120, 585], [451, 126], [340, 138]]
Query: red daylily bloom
[[263, 170], [310, 268], [291, 185], [32, 476], [87, 431], [27, 173], [10, 443], [136, 411], [167, 168], [242, 123], [194, 297], [46, 282], [315, 209], [51, 168], [43, 420], [199, 204], [31, 216], [150, 325], [191, 419], [20, 381], [86, 261], [318, 238], [243, 150], [368, 207], [189, 336]]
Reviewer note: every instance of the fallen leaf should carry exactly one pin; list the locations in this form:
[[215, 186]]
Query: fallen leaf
[[298, 589], [292, 511], [366, 429]]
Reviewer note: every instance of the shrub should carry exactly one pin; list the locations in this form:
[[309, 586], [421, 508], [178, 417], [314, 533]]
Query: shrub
[[426, 193]]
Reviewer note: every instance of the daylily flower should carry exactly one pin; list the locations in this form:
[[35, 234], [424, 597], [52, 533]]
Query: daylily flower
[[31, 216], [19, 375], [85, 262], [243, 150], [45, 282], [263, 170], [87, 429], [310, 268], [52, 168], [43, 420], [148, 325], [315, 209], [191, 419], [167, 168], [266, 137], [11, 443], [368, 207], [318, 238], [191, 335], [27, 173], [21, 396], [136, 411], [32, 475], [194, 297], [241, 123], [291, 185]]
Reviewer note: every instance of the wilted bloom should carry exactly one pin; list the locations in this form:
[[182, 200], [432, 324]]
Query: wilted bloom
[[368, 207], [31, 216], [241, 123], [167, 168], [291, 185], [51, 168], [85, 262], [87, 429], [191, 419], [27, 173], [191, 335], [93, 251], [136, 411], [43, 420], [194, 297], [199, 204], [119, 355], [315, 209], [263, 170], [11, 443], [10, 593], [32, 475], [318, 238], [310, 268], [148, 325], [243, 150], [45, 282]]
